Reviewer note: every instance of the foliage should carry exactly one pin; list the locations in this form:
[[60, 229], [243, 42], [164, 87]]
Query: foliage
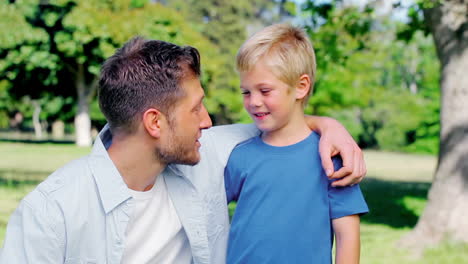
[[384, 90], [377, 76], [47, 49], [5, 104]]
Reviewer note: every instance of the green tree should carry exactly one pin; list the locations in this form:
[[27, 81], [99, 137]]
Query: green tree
[[59, 45], [377, 86]]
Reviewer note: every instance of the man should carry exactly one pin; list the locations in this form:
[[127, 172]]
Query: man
[[128, 201]]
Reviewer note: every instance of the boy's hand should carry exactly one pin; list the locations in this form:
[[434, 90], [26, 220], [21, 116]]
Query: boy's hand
[[335, 140]]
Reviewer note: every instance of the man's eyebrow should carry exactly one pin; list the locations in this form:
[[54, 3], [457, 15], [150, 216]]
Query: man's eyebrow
[[200, 101]]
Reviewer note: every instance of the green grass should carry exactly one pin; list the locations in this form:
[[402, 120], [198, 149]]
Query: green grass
[[33, 162], [396, 189]]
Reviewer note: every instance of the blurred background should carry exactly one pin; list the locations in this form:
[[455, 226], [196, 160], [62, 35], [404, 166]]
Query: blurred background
[[393, 72]]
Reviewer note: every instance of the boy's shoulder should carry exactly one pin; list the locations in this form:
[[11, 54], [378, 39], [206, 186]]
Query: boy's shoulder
[[314, 137], [246, 144], [255, 144], [245, 149]]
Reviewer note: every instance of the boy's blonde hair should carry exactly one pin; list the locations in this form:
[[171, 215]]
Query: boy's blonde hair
[[286, 49]]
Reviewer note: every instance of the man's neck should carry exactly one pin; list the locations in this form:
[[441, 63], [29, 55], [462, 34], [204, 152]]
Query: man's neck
[[136, 162]]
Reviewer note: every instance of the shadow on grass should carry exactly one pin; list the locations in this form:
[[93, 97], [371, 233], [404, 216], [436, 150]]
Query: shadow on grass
[[17, 177], [386, 201]]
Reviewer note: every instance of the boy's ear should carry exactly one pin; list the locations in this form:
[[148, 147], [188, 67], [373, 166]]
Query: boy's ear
[[303, 86], [152, 121]]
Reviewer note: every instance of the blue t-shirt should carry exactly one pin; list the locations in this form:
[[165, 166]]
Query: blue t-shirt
[[285, 203]]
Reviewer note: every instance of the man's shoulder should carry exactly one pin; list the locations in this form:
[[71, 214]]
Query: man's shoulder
[[230, 133], [60, 185]]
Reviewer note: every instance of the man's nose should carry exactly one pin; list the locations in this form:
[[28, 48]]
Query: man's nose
[[205, 119]]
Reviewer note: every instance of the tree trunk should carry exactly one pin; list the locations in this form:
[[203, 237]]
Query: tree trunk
[[446, 214], [36, 120], [58, 130], [82, 118]]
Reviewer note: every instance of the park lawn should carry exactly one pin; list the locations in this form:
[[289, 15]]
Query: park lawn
[[395, 189], [33, 162]]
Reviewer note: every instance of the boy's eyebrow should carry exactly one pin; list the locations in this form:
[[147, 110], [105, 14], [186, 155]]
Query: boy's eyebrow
[[258, 85], [264, 83]]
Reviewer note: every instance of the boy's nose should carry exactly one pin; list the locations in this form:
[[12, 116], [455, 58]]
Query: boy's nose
[[255, 101]]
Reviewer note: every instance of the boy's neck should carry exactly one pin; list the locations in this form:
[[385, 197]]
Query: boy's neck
[[293, 132]]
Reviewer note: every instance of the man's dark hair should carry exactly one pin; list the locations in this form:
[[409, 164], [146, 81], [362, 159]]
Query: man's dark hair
[[143, 74]]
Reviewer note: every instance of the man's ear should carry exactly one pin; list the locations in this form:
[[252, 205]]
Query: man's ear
[[303, 86], [152, 121]]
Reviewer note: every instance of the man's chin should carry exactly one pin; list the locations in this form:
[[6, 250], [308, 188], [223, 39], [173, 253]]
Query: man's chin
[[190, 161]]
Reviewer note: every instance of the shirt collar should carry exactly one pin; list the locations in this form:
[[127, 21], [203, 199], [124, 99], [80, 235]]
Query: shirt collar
[[175, 169], [112, 189]]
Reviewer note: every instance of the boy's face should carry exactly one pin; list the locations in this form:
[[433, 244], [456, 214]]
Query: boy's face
[[269, 101]]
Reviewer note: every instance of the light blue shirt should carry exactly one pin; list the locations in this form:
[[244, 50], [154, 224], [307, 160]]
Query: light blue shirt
[[79, 214]]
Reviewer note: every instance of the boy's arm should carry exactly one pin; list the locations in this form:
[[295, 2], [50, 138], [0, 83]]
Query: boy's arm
[[347, 239], [335, 140]]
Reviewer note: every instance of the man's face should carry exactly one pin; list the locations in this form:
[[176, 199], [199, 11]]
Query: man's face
[[180, 144]]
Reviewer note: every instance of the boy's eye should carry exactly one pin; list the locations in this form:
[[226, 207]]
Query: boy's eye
[[265, 91], [245, 92]]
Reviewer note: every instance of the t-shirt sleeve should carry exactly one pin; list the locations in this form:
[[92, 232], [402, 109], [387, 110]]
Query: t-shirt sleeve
[[232, 178], [347, 200]]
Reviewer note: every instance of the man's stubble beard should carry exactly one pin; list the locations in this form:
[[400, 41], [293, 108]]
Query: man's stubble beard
[[175, 151]]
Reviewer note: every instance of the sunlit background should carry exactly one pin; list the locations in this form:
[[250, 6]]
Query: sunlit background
[[378, 74]]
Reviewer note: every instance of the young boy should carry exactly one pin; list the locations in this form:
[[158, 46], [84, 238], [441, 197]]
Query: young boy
[[287, 210]]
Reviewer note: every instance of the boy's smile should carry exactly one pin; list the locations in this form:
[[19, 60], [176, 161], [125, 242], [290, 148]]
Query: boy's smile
[[269, 101], [260, 115]]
